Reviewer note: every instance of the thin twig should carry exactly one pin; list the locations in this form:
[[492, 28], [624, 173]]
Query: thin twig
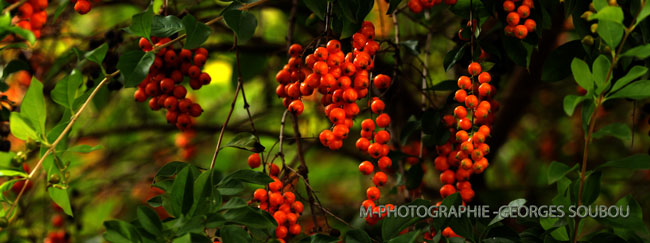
[[303, 168], [13, 6], [292, 22], [425, 74]]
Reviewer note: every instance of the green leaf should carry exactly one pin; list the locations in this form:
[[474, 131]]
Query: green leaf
[[514, 203], [320, 238], [645, 11], [618, 130], [251, 217], [61, 198], [581, 74], [600, 70], [119, 231], [197, 32], [21, 129], [141, 24], [25, 34], [557, 171], [634, 73], [318, 7], [242, 23], [97, 55], [393, 225], [634, 162], [149, 220], [165, 26], [66, 90], [409, 237], [411, 46], [12, 173], [637, 90], [392, 6], [248, 176], [634, 216], [600, 4], [591, 188], [206, 197], [246, 141], [134, 66], [571, 102], [233, 233], [611, 13], [357, 236], [610, 32], [84, 148], [182, 191], [170, 169], [233, 203], [453, 56], [452, 200]]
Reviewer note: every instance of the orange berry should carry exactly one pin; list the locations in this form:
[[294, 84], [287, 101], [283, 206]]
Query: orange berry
[[373, 193], [385, 163], [464, 82], [465, 124], [521, 31], [471, 101], [460, 112], [461, 136], [523, 11], [382, 81], [382, 137], [377, 106], [467, 195], [366, 167], [484, 77], [295, 229], [513, 18], [447, 190], [383, 120], [362, 144], [295, 50], [379, 179], [460, 95], [82, 6], [281, 231], [260, 195], [530, 24], [474, 68], [254, 160], [447, 177], [415, 6], [508, 6], [326, 136]]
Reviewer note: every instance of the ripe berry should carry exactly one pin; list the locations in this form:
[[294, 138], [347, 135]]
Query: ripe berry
[[281, 231], [384, 163], [383, 120], [471, 101], [447, 190], [521, 31], [326, 136], [183, 122], [415, 6], [461, 136], [467, 195], [260, 195], [460, 112], [448, 177], [179, 91], [474, 68], [523, 11], [362, 144], [25, 11], [199, 60], [295, 229], [337, 115], [297, 206], [295, 50], [508, 6], [171, 117], [484, 90], [464, 82], [375, 150], [171, 103], [382, 81], [205, 78], [153, 104], [373, 193], [382, 137], [512, 19], [460, 95], [82, 6], [366, 167], [333, 46], [296, 107], [440, 163], [484, 77], [530, 24], [377, 106], [379, 179], [340, 131], [464, 124], [321, 53], [194, 72], [335, 144], [485, 130], [185, 55], [140, 95]]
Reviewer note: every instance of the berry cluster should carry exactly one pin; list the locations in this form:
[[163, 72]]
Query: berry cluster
[[447, 233], [59, 235], [281, 203], [464, 153], [83, 6], [416, 6], [514, 17], [376, 145], [31, 16], [163, 83]]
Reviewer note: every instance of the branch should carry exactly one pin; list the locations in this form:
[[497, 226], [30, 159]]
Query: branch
[[13, 6]]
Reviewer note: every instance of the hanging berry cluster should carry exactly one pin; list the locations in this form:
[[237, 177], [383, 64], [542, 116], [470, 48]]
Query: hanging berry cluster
[[416, 6], [376, 145], [31, 16], [163, 83], [464, 153], [281, 203], [519, 25], [83, 6]]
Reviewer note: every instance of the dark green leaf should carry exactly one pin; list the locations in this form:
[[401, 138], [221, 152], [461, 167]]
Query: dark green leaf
[[409, 237], [182, 191], [637, 90], [206, 196], [610, 32], [149, 220], [119, 231], [445, 85], [134, 66], [248, 176], [582, 74], [197, 32], [393, 225], [591, 188], [61, 198], [141, 23], [392, 6], [97, 55], [558, 170], [619, 130], [558, 64], [571, 102], [635, 162], [640, 52], [251, 217], [242, 23], [453, 56], [600, 71], [246, 141], [318, 7], [165, 26], [320, 238], [634, 73], [170, 169], [235, 234], [357, 236], [630, 218], [66, 90], [411, 46], [512, 204]]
